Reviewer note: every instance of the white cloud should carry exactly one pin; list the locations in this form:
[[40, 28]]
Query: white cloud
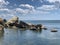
[[28, 9], [22, 11], [3, 2], [5, 13], [27, 6], [41, 1], [40, 12], [53, 0], [56, 2], [6, 16], [19, 11], [32, 0], [47, 7], [4, 9]]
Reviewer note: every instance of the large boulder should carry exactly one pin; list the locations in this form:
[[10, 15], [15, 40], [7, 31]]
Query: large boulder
[[22, 24], [12, 21]]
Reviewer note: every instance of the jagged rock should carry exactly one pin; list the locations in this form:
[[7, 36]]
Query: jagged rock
[[12, 21], [23, 23]]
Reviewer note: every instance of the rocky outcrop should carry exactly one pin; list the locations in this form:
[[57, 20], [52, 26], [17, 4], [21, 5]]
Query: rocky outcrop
[[12, 21], [15, 22]]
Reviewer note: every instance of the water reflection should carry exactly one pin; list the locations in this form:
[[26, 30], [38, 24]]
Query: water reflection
[[10, 37], [29, 37], [1, 34], [1, 37], [37, 31]]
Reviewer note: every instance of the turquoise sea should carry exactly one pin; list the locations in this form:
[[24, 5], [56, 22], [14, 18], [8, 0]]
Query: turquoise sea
[[30, 37]]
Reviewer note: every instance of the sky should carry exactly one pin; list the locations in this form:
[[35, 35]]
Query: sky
[[30, 9]]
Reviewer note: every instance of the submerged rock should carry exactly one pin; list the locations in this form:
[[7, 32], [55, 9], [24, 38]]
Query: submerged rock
[[54, 30]]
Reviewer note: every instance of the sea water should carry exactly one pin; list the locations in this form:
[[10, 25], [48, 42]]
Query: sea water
[[30, 37]]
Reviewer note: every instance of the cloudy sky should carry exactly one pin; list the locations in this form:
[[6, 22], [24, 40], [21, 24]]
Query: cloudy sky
[[30, 9]]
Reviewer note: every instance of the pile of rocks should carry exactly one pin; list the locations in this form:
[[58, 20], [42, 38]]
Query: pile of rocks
[[15, 23]]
